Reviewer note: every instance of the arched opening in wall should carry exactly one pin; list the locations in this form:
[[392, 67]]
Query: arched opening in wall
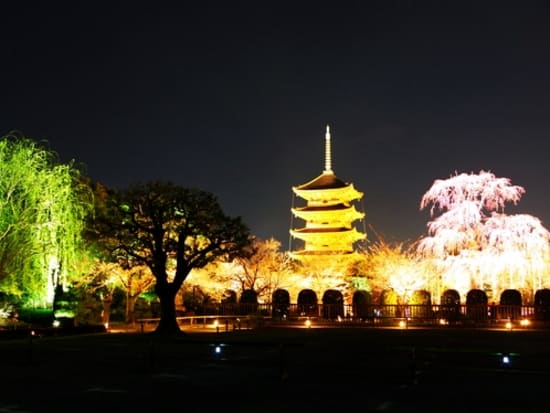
[[510, 305], [361, 305], [420, 304], [450, 305], [542, 304], [229, 302], [281, 303], [307, 303], [333, 304], [249, 302], [476, 305]]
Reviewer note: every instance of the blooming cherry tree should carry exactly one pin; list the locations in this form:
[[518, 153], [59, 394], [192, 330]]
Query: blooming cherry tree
[[473, 244]]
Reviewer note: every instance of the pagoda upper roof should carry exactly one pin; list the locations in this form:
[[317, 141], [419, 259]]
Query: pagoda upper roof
[[327, 180], [327, 208], [321, 230]]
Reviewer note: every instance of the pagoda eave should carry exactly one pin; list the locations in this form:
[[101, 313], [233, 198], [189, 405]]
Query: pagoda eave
[[348, 193]]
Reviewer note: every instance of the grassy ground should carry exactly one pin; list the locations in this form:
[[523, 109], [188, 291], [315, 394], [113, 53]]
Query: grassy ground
[[275, 369]]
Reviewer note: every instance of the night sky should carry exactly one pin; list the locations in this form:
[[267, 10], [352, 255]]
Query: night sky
[[233, 97]]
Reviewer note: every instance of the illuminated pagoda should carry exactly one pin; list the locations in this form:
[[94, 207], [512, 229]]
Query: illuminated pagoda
[[329, 214]]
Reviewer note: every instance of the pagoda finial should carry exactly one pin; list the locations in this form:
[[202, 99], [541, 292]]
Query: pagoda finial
[[328, 155]]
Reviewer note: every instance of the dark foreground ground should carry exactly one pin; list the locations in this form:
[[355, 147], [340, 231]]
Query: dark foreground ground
[[280, 370]]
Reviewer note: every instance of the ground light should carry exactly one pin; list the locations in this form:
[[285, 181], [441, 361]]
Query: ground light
[[308, 323], [525, 322], [218, 349], [505, 358]]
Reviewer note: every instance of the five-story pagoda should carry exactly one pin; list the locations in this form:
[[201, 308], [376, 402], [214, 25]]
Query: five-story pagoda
[[329, 214]]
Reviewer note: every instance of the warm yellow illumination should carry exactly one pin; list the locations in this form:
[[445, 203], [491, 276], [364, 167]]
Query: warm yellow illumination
[[402, 324], [328, 214], [308, 323], [443, 322], [525, 322], [509, 325]]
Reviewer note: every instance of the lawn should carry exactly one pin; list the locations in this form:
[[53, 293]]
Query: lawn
[[279, 369]]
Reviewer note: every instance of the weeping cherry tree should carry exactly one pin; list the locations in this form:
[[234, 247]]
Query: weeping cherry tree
[[474, 244]]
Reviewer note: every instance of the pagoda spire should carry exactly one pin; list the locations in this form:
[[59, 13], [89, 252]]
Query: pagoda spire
[[328, 155]]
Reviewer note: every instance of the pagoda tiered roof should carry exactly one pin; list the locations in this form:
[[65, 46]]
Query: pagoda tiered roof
[[328, 236], [326, 188], [329, 213], [327, 180], [326, 213]]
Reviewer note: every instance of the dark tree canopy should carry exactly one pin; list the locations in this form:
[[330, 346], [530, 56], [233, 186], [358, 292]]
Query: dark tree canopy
[[170, 229]]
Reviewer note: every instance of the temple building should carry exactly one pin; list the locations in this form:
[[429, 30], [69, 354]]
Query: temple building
[[329, 214]]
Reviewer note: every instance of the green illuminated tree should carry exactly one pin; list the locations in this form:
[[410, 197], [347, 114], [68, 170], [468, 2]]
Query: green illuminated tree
[[43, 205], [165, 226]]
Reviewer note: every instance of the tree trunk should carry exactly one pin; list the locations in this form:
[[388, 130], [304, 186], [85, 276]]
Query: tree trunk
[[130, 308], [168, 324], [106, 313]]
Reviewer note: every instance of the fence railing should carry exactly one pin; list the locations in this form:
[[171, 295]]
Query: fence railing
[[245, 316], [371, 312]]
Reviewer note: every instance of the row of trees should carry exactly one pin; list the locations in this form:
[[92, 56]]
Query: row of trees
[[59, 230], [471, 244]]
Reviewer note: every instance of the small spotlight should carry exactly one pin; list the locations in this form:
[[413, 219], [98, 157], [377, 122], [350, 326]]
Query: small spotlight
[[509, 325], [505, 359], [443, 322], [524, 322], [339, 319], [308, 323], [218, 349], [402, 324], [56, 323]]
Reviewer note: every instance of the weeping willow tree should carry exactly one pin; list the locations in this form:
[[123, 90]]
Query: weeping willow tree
[[43, 205]]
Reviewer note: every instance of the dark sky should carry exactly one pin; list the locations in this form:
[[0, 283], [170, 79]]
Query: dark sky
[[233, 97]]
